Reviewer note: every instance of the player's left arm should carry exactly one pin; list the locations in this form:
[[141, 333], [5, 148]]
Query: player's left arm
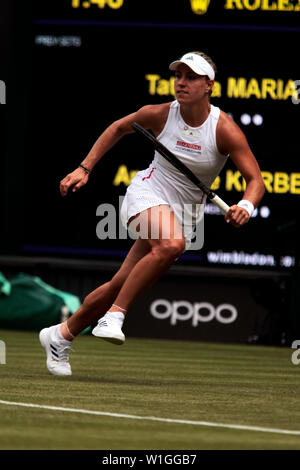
[[231, 140]]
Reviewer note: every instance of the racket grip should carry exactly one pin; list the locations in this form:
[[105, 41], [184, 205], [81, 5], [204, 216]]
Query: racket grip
[[220, 203]]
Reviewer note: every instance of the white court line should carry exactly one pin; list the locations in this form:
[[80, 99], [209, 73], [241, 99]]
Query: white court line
[[153, 418]]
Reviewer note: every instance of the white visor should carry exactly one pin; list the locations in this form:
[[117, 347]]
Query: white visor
[[197, 63]]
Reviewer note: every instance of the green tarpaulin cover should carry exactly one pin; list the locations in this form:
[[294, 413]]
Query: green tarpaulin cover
[[28, 303]]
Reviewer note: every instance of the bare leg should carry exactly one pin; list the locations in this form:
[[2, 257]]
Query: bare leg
[[100, 300], [163, 252], [146, 262]]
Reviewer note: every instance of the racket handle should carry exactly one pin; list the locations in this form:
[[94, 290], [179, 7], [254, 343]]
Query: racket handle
[[220, 203]]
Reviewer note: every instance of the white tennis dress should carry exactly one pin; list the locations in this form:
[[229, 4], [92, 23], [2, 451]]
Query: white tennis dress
[[162, 183]]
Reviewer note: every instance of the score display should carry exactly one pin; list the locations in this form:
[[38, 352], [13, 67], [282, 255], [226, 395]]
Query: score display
[[96, 61]]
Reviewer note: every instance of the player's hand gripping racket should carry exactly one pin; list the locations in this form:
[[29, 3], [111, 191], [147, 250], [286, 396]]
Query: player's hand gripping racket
[[168, 155]]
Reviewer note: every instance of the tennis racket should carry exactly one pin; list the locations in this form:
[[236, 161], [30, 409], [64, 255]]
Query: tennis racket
[[168, 155]]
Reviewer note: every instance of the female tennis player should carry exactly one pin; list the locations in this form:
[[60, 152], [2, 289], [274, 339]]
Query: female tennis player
[[201, 136]]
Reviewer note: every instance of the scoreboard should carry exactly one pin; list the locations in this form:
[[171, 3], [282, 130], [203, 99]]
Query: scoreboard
[[91, 62]]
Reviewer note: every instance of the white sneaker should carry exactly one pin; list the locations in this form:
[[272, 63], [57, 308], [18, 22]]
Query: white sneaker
[[57, 351], [109, 328]]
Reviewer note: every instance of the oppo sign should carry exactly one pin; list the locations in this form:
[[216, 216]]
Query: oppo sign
[[198, 312]]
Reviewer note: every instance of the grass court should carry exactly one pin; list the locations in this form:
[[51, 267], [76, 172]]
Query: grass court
[[205, 396]]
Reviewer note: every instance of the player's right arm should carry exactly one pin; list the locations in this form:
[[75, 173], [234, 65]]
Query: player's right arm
[[151, 117]]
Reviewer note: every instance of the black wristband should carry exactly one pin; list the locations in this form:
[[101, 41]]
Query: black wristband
[[85, 169]]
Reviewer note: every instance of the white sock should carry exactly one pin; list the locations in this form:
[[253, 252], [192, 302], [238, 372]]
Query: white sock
[[57, 336], [119, 316]]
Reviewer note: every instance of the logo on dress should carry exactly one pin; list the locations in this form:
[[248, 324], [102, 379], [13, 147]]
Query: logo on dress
[[188, 147]]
